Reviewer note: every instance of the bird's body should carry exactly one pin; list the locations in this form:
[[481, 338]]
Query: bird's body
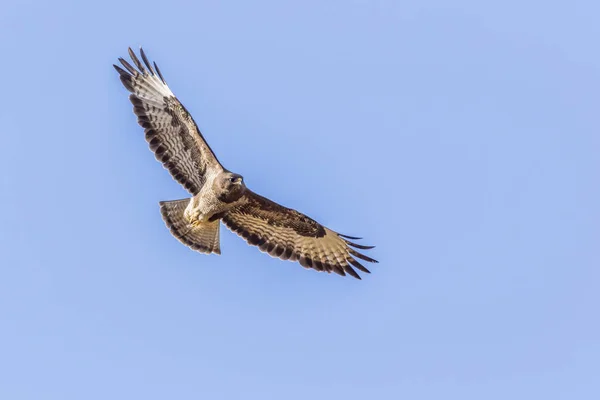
[[211, 200], [219, 195]]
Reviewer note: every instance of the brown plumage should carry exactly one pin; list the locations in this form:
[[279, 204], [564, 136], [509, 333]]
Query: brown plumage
[[220, 195]]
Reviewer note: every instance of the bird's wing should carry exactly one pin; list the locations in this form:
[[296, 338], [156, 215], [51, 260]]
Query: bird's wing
[[170, 130], [290, 235]]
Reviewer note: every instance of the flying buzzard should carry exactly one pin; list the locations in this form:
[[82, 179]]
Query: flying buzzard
[[221, 195]]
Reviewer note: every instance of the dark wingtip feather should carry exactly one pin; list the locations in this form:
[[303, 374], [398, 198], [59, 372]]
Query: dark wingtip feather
[[145, 59], [359, 246], [362, 256], [127, 66], [136, 61], [126, 81], [349, 237], [337, 269], [351, 272], [358, 265], [121, 71], [159, 74]]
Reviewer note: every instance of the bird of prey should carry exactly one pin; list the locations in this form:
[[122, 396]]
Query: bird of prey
[[219, 195]]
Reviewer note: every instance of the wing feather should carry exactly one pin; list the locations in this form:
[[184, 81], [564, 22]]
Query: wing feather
[[170, 130], [287, 234]]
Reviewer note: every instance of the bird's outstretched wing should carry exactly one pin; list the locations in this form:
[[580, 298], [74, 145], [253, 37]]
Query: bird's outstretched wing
[[170, 130], [290, 235]]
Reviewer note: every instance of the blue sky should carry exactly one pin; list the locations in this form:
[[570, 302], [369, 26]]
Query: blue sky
[[461, 139]]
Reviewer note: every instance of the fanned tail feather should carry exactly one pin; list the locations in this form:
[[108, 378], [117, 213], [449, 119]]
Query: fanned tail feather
[[203, 237]]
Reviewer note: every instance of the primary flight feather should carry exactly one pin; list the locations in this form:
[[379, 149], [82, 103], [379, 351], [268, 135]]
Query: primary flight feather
[[219, 194]]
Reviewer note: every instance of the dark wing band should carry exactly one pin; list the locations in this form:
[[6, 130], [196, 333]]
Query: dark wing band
[[170, 130], [290, 235]]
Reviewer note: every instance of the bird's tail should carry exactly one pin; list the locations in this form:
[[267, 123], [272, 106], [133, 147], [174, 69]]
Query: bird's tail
[[203, 237]]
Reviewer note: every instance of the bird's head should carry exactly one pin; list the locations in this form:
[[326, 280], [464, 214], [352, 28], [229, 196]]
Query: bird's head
[[229, 186]]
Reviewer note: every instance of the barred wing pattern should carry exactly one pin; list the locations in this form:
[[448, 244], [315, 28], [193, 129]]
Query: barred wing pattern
[[287, 234], [170, 130]]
